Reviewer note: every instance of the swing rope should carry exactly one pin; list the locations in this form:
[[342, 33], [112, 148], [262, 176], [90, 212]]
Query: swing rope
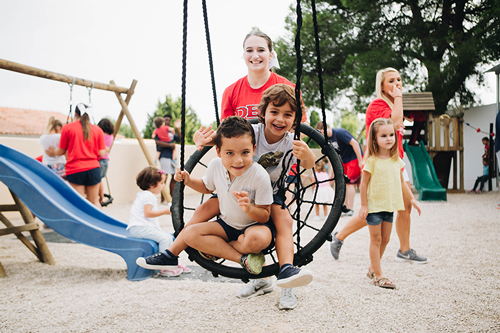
[[319, 68], [210, 61], [183, 98]]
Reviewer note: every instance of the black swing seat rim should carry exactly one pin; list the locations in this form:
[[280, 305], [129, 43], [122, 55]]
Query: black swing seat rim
[[301, 257]]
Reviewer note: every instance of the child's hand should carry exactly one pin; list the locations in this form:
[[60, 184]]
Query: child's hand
[[243, 200], [415, 205], [202, 137], [177, 123], [181, 176], [300, 149], [363, 212]]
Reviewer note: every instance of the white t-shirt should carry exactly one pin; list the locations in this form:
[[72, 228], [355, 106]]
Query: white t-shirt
[[47, 141], [137, 217], [272, 156], [255, 180]]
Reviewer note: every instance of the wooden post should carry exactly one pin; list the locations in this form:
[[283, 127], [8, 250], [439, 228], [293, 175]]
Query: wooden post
[[437, 133], [118, 122], [44, 252], [3, 274]]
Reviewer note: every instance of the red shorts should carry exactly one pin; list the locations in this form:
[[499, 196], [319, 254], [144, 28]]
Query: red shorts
[[353, 171]]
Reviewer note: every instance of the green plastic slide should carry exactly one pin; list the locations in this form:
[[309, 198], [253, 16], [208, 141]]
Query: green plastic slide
[[424, 175]]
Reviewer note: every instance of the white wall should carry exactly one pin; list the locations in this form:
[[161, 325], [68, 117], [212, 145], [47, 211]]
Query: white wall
[[478, 117]]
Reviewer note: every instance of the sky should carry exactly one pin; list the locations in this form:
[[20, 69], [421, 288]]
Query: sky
[[126, 40]]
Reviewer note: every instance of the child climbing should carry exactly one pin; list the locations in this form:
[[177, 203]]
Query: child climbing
[[144, 213], [108, 128], [381, 194], [325, 192], [51, 139]]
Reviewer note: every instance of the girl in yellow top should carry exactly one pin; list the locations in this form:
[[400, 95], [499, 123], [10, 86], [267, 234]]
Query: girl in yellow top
[[382, 187]]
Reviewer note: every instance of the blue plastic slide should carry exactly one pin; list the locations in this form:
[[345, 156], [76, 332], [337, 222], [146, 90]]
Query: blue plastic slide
[[424, 174], [64, 210]]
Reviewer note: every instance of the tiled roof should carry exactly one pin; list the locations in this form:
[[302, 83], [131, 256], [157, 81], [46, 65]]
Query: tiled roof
[[14, 121]]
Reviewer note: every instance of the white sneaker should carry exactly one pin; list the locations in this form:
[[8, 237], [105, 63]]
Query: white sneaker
[[256, 287], [288, 299], [317, 218]]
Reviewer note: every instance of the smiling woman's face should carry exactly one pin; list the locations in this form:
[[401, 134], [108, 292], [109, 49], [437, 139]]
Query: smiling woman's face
[[256, 53]]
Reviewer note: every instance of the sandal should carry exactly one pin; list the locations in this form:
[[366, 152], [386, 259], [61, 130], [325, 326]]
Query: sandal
[[370, 274], [208, 256], [384, 283], [498, 205], [253, 262]]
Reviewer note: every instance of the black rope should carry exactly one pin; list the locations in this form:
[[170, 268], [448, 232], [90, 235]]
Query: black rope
[[299, 108], [183, 97], [210, 61], [319, 68]]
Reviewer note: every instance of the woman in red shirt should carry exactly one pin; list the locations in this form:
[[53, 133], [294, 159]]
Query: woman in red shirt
[[388, 104], [84, 143]]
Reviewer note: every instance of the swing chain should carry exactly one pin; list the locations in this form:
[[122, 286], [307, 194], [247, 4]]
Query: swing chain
[[90, 94], [71, 91]]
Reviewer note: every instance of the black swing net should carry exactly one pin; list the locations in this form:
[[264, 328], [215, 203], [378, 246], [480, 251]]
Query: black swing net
[[308, 236]]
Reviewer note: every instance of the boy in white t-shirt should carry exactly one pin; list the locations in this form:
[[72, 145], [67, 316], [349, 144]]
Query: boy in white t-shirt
[[245, 196]]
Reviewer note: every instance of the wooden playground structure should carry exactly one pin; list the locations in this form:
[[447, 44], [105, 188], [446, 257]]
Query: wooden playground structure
[[40, 248], [444, 137]]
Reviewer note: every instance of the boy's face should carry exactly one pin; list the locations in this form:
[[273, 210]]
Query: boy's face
[[236, 154], [485, 142], [278, 121]]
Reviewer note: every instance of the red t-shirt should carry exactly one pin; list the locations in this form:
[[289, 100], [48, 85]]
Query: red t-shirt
[[82, 155], [239, 99], [163, 133], [379, 108]]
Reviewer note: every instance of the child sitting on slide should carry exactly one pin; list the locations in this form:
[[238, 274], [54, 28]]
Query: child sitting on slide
[[144, 213]]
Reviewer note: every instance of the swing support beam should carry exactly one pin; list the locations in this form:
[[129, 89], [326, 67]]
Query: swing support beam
[[32, 71]]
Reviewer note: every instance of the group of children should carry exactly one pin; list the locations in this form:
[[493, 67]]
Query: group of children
[[246, 200], [50, 141]]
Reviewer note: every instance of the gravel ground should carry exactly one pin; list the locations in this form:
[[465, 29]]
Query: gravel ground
[[458, 290]]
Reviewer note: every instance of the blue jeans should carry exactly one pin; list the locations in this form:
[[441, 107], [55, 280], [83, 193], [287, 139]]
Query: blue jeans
[[481, 179], [163, 238]]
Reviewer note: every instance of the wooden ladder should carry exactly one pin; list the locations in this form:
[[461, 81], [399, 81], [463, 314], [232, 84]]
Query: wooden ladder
[[40, 248]]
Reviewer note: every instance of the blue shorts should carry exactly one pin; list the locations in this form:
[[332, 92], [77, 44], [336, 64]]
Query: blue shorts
[[291, 179], [379, 217], [87, 178], [104, 167]]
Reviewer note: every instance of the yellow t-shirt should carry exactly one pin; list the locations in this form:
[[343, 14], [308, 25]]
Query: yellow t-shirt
[[384, 191]]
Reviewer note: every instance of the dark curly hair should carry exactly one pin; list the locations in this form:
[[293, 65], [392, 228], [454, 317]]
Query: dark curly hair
[[279, 95], [232, 127]]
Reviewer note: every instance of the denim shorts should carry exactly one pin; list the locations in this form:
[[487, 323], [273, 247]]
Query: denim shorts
[[104, 167], [88, 178], [379, 217]]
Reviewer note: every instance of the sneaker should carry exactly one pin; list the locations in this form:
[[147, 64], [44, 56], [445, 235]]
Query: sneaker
[[410, 256], [350, 212], [335, 246], [317, 218], [253, 262], [288, 299], [256, 287], [479, 191], [185, 269], [170, 273], [472, 191], [291, 277], [158, 261]]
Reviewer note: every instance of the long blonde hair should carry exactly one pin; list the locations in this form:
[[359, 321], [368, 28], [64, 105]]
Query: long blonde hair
[[372, 147], [53, 124], [378, 85]]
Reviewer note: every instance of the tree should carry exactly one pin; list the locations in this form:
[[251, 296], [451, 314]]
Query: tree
[[173, 108], [436, 44], [126, 131]]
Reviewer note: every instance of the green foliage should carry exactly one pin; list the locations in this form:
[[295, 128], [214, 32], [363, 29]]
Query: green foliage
[[435, 44], [174, 108], [126, 131]]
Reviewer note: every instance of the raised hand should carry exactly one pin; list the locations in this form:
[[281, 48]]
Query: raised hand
[[202, 137]]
